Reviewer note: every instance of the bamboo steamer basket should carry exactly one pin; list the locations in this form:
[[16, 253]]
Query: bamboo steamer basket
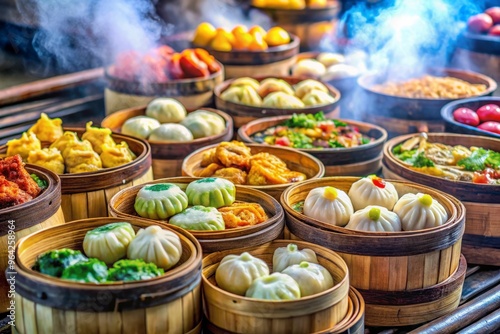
[[86, 195], [122, 206], [361, 160], [242, 114], [353, 322], [295, 160], [168, 157], [240, 314], [311, 25], [41, 212], [273, 61], [388, 263], [481, 242], [403, 115], [193, 93], [170, 303]]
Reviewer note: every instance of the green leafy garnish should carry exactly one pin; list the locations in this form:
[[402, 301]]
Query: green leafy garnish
[[397, 149], [307, 121], [133, 270], [334, 143], [41, 183], [299, 206], [365, 140], [300, 140], [415, 159], [480, 159]]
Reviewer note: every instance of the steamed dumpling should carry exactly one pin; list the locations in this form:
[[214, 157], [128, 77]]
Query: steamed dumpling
[[199, 218], [212, 191], [236, 273], [310, 68], [282, 100], [372, 190], [276, 286], [374, 219], [140, 126], [242, 94], [329, 58], [329, 205], [420, 211], [340, 71], [312, 278], [306, 86], [317, 98], [203, 123], [171, 132], [160, 201], [166, 110], [156, 245], [24, 145], [246, 81], [271, 85], [109, 242], [49, 158], [284, 257]]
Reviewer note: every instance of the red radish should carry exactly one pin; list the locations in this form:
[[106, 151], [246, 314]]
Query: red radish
[[495, 31], [490, 127], [466, 116], [480, 23], [489, 112], [494, 12]]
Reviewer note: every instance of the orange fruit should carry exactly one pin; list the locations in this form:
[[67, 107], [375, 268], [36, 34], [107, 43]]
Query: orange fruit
[[221, 43], [204, 34], [258, 44], [239, 29], [226, 34], [257, 30], [242, 41], [277, 36]]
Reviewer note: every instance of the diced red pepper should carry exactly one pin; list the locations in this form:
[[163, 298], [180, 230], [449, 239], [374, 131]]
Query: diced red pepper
[[480, 178], [378, 182], [282, 141]]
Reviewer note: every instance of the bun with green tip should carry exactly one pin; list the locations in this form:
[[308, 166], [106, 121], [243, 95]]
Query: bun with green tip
[[211, 192], [199, 218], [420, 211], [374, 218], [160, 201]]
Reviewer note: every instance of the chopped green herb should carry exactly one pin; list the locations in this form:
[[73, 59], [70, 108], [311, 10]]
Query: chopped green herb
[[334, 143], [365, 140], [338, 123], [41, 183], [299, 206], [480, 159]]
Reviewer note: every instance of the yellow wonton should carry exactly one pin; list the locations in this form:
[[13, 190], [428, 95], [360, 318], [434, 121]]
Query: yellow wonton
[[47, 129], [98, 137], [81, 161], [24, 145], [49, 158], [116, 155], [68, 138]]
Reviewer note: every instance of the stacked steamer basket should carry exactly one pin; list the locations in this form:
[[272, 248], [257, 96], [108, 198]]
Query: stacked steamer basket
[[335, 310], [357, 161], [167, 157], [86, 195], [134, 84], [122, 206], [482, 231], [244, 113], [405, 278], [42, 212], [402, 115], [312, 23], [170, 303], [295, 160]]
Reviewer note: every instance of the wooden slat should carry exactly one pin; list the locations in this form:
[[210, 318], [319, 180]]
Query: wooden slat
[[44, 319], [480, 282], [488, 324]]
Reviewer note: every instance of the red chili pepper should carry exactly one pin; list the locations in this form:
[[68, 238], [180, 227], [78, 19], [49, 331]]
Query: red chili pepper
[[378, 182], [192, 66], [207, 58]]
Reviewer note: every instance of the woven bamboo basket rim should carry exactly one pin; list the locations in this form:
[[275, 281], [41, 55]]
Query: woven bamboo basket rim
[[141, 111], [321, 168], [463, 190], [212, 261], [277, 120], [366, 80], [443, 198], [220, 88], [92, 181], [431, 293], [175, 272], [52, 194], [182, 181]]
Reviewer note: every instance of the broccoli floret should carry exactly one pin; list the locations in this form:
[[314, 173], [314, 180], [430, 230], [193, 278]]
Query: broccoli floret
[[91, 271], [41, 183], [54, 262], [133, 270]]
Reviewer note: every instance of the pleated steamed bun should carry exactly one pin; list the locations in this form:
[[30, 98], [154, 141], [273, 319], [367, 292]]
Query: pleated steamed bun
[[373, 190], [420, 211], [374, 218], [329, 205]]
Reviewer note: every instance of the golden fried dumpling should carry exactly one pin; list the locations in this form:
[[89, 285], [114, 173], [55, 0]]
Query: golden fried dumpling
[[79, 145], [81, 161], [24, 145], [246, 81], [242, 94], [49, 158], [116, 154], [270, 85], [68, 138], [97, 137], [306, 86], [282, 100], [47, 129]]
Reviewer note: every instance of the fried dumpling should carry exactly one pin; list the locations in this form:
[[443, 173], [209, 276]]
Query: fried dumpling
[[306, 86], [242, 94], [97, 137], [46, 129], [282, 100], [68, 138], [116, 154], [271, 85], [79, 157], [49, 158], [24, 145]]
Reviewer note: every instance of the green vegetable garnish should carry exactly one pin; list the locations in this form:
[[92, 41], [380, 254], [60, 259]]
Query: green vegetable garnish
[[426, 200], [54, 262], [334, 143], [374, 214], [206, 180], [415, 159], [307, 121], [133, 270], [480, 159], [365, 140], [110, 227], [338, 123], [298, 206], [91, 271], [159, 187], [41, 183]]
